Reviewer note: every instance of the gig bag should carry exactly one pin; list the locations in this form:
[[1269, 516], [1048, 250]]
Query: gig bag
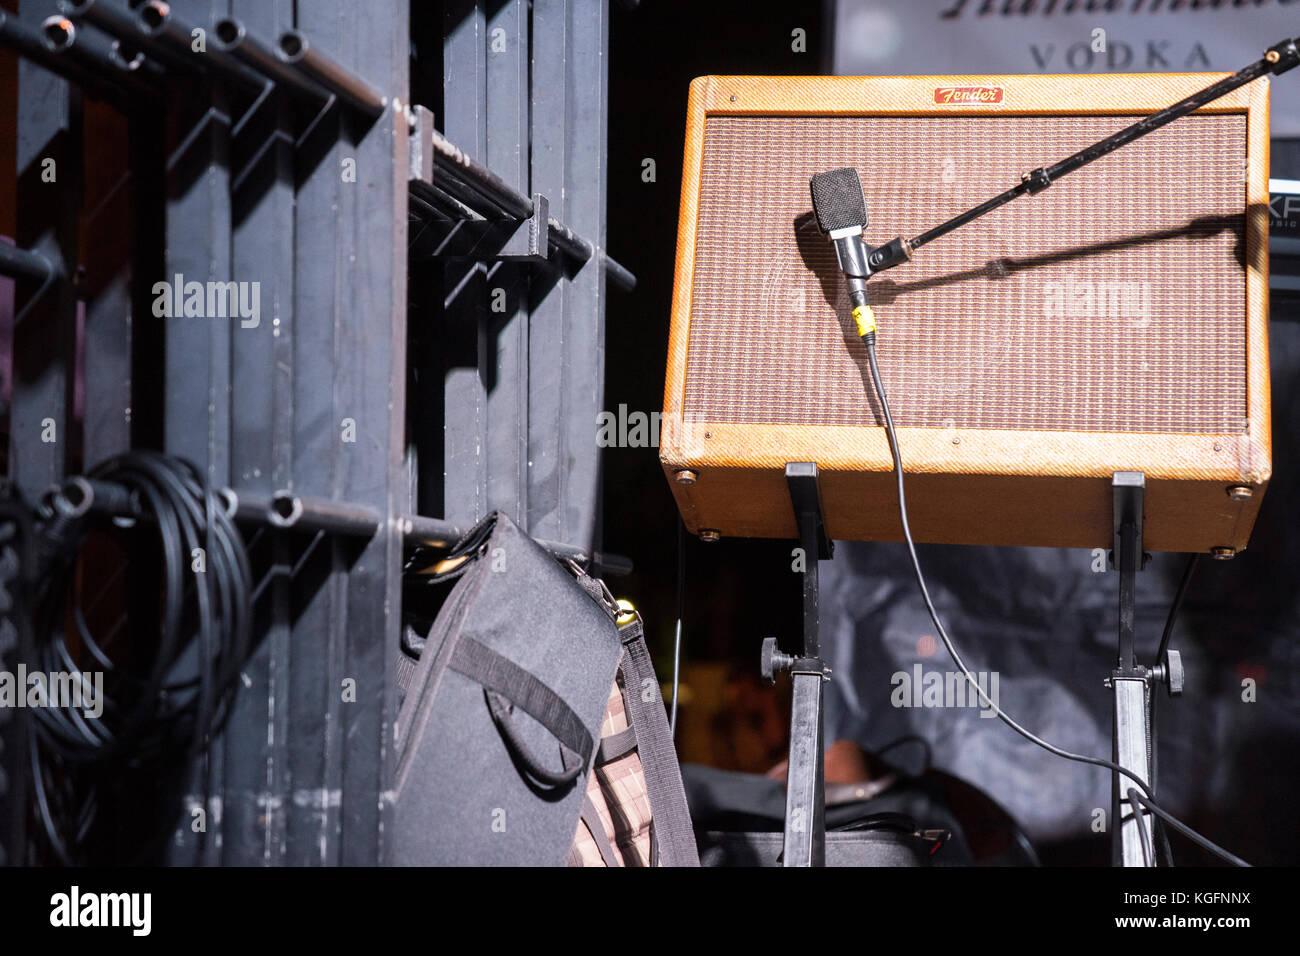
[[501, 718]]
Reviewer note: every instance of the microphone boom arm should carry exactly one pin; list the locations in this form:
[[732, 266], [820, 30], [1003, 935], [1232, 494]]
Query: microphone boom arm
[[1276, 60]]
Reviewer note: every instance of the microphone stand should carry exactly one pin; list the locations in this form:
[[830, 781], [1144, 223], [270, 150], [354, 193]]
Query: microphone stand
[[1133, 730]]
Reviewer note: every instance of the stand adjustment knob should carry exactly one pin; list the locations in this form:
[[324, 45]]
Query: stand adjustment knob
[[772, 661], [1170, 673], [1174, 673]]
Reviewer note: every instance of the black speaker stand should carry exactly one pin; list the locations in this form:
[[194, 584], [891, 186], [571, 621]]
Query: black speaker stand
[[805, 794]]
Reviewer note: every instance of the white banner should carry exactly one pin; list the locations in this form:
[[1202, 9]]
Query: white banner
[[920, 37]]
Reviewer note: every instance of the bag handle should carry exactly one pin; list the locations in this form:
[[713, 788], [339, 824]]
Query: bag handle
[[505, 683], [501, 716]]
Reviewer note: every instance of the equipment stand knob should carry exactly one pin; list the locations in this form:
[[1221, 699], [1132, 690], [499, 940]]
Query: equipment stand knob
[[772, 661], [1174, 673]]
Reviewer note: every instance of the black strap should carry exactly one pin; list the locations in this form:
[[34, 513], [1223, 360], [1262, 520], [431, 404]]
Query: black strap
[[501, 710], [591, 817], [672, 839], [616, 745], [406, 670], [503, 680], [434, 659], [674, 836]]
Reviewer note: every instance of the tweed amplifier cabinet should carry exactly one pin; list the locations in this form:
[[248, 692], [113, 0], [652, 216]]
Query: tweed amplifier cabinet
[[1116, 321]]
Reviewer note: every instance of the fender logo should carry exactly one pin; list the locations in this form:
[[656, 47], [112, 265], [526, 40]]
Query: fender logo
[[978, 95]]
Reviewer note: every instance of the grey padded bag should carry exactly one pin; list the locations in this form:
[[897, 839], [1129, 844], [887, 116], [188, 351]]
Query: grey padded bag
[[501, 718]]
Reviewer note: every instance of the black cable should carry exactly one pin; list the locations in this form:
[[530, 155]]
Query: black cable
[[1142, 787], [1187, 831], [1175, 606], [1139, 820], [167, 704], [43, 807], [870, 340]]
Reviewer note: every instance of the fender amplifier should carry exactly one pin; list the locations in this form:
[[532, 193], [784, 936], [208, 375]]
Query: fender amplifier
[[1115, 322]]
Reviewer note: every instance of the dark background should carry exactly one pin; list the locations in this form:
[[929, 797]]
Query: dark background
[[736, 592]]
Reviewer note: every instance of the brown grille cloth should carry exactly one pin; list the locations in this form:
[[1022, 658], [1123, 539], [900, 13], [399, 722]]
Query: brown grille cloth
[[1114, 301]]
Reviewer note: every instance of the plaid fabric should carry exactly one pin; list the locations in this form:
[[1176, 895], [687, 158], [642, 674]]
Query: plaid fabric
[[618, 792]]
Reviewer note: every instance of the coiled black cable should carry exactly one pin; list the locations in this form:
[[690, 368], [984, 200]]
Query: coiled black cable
[[165, 702]]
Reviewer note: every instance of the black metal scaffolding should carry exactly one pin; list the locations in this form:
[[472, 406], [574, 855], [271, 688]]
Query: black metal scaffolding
[[280, 154]]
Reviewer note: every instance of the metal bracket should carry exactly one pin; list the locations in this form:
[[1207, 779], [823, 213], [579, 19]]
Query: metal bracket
[[483, 217], [1127, 492], [530, 239], [805, 496], [472, 232]]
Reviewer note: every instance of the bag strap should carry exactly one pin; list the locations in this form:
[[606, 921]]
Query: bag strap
[[591, 817], [616, 745], [672, 836], [503, 680], [423, 682], [671, 819]]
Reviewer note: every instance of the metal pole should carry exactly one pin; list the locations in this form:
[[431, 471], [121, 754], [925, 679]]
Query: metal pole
[[480, 178], [62, 38], [110, 19], [288, 510], [29, 44], [298, 53], [1129, 682], [24, 264], [805, 789], [231, 37], [131, 39], [158, 22]]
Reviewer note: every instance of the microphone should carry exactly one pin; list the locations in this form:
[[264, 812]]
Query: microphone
[[841, 212]]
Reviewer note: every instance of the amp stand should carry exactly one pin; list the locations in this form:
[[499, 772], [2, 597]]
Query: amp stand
[[805, 794], [1133, 731]]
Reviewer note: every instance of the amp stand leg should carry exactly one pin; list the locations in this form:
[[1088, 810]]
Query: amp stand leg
[[1130, 682], [805, 801]]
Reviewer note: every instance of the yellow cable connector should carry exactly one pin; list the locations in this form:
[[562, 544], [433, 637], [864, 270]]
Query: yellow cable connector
[[865, 318], [628, 613]]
